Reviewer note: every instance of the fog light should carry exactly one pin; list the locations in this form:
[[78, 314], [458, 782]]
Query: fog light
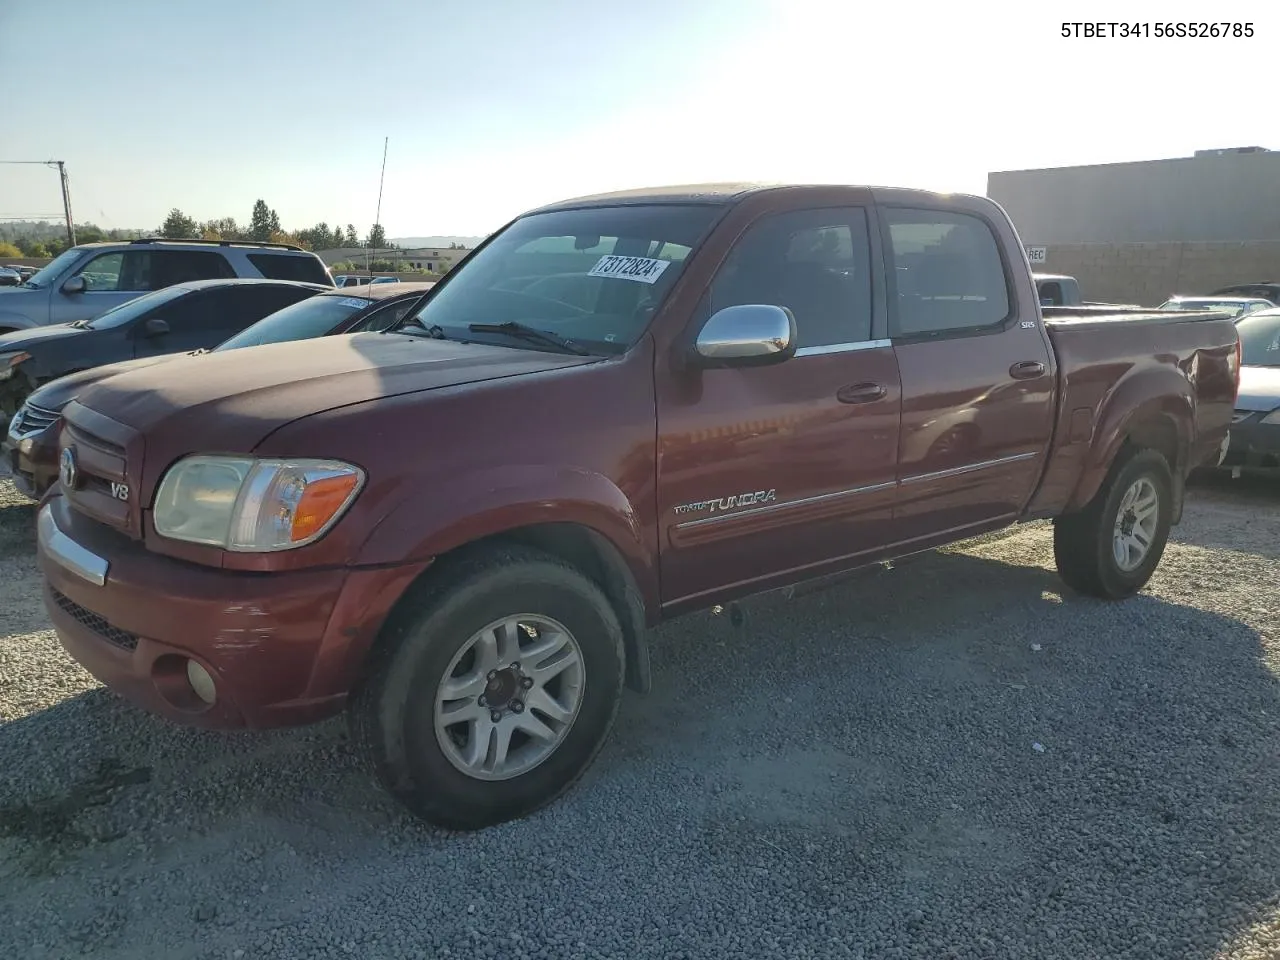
[[201, 682]]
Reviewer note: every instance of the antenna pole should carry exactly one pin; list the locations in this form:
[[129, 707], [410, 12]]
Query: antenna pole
[[377, 216]]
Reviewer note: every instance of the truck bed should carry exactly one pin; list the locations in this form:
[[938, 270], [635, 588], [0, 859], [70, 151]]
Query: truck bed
[[1085, 316], [1114, 363]]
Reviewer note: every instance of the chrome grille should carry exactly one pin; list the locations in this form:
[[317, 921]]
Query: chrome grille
[[32, 419], [100, 464]]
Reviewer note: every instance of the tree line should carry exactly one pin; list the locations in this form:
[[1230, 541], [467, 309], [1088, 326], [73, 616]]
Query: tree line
[[264, 227], [33, 240]]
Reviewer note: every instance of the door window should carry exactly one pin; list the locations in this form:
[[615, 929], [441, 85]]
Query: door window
[[192, 314], [948, 272], [816, 263], [182, 266], [114, 273]]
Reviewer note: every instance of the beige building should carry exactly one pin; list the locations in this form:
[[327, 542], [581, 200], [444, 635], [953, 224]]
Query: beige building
[[432, 260], [1141, 232]]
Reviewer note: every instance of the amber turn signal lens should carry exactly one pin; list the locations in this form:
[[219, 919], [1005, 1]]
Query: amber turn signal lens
[[322, 499]]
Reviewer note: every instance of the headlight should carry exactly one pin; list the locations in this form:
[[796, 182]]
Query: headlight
[[1272, 417], [9, 362], [249, 505]]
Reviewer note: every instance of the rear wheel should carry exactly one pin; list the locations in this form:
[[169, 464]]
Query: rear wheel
[[1111, 548], [494, 690]]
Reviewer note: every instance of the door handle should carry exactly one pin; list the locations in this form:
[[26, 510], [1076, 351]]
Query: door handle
[[1027, 370], [861, 392]]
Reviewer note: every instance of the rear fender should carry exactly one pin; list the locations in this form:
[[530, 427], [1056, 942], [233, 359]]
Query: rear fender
[[1155, 409]]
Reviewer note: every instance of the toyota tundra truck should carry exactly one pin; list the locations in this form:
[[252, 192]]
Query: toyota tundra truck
[[617, 410]]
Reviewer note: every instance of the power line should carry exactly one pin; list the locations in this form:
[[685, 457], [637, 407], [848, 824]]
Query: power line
[[66, 190]]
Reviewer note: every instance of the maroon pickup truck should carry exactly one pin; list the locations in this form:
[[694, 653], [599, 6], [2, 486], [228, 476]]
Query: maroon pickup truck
[[616, 410]]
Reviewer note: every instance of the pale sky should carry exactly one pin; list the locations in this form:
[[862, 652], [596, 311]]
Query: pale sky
[[495, 106]]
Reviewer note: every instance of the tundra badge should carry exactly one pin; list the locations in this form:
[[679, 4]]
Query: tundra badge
[[728, 503]]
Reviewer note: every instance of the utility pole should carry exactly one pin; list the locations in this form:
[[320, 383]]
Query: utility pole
[[66, 202], [66, 190]]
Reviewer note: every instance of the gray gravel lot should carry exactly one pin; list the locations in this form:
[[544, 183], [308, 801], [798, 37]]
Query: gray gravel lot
[[951, 758]]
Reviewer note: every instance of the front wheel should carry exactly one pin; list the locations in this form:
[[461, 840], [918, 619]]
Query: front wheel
[[495, 689], [1111, 548]]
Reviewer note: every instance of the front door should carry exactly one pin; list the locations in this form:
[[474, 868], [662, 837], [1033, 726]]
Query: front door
[[771, 474], [110, 280], [977, 374]]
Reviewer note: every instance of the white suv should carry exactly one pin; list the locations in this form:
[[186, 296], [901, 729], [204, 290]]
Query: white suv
[[89, 279]]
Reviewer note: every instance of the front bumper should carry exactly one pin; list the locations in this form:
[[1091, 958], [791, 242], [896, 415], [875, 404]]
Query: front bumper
[[1253, 445], [282, 649], [33, 461]]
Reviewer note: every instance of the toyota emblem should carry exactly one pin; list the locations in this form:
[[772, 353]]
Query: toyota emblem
[[68, 471]]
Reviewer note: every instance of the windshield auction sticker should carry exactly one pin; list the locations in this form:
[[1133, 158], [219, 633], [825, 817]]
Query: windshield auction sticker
[[642, 269], [355, 302]]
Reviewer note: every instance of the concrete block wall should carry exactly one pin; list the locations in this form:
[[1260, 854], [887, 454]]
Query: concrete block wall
[[1150, 273]]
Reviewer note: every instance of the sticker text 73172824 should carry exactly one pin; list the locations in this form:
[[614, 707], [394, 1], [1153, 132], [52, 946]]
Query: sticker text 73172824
[[643, 269]]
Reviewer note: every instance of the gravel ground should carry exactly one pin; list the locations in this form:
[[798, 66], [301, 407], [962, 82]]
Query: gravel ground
[[950, 758]]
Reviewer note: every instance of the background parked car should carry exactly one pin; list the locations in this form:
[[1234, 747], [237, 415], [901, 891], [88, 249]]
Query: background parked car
[[345, 280], [1264, 290], [86, 281], [30, 446], [1254, 440], [181, 317], [9, 277], [1232, 306]]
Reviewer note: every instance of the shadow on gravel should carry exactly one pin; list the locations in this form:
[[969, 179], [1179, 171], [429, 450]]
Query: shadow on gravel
[[17, 529], [951, 758]]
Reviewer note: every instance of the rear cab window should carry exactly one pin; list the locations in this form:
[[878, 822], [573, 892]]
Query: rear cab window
[[286, 266]]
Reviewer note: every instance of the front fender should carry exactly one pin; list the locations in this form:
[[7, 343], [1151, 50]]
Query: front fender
[[16, 321], [429, 521], [1159, 399]]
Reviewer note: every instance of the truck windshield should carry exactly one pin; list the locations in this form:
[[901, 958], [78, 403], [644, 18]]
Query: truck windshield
[[1260, 339], [594, 276]]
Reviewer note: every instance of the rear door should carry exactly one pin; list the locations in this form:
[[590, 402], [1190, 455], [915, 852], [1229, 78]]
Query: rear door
[[976, 368], [768, 474]]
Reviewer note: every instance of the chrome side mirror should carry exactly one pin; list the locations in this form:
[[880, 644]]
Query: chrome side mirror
[[76, 284], [750, 334]]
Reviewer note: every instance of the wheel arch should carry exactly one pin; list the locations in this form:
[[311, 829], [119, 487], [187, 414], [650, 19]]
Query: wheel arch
[[580, 545], [1145, 416]]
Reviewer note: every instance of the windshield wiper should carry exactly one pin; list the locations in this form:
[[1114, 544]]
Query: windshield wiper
[[434, 331], [526, 332]]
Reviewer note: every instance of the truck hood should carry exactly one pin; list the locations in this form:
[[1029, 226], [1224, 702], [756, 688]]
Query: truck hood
[[56, 394], [233, 400], [26, 339], [1259, 389]]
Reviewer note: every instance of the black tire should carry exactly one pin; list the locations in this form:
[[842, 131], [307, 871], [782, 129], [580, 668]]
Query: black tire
[[1082, 542], [392, 713]]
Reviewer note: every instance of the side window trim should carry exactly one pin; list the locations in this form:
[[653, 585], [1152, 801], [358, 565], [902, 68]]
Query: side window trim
[[889, 274]]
